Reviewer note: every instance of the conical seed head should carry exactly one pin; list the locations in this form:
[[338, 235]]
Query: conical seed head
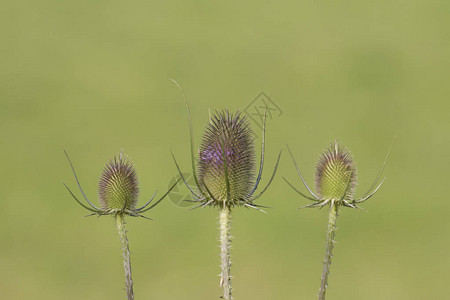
[[227, 151], [118, 187], [336, 174]]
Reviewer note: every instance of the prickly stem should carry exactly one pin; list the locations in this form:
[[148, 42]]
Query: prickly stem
[[225, 245], [329, 248], [126, 255]]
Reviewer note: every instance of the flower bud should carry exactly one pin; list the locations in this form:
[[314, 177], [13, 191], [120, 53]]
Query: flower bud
[[227, 158], [336, 174], [118, 187]]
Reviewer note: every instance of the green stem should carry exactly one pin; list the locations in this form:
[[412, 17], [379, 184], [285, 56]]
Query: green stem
[[225, 245], [126, 255], [329, 248]]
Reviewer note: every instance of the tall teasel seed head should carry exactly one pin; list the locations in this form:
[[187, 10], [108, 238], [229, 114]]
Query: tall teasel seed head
[[225, 175], [225, 172], [227, 157], [336, 174], [118, 188]]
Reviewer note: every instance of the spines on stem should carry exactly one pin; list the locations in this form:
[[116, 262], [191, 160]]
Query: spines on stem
[[329, 248], [225, 247], [126, 255]]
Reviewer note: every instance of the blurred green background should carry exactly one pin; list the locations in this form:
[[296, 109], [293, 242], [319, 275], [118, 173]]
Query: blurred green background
[[91, 77]]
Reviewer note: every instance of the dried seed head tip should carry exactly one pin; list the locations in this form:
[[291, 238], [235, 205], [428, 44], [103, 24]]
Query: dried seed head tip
[[336, 174], [118, 187], [227, 159]]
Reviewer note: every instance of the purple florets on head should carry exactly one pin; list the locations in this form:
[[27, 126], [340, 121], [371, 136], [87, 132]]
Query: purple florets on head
[[227, 158], [225, 174]]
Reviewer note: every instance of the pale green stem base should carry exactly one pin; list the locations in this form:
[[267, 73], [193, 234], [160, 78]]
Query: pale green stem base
[[225, 245], [126, 255], [329, 248]]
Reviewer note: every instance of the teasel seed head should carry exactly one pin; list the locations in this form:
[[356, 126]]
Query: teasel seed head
[[118, 190], [226, 167], [336, 177], [225, 172], [118, 187]]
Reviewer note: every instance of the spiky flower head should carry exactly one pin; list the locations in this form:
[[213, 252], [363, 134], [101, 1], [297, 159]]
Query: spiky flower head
[[336, 174], [226, 168], [118, 188]]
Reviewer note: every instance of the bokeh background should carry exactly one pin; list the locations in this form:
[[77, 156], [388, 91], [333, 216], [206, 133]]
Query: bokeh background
[[91, 77]]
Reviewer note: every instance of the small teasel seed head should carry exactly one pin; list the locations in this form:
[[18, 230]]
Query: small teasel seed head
[[336, 174], [118, 187], [227, 153]]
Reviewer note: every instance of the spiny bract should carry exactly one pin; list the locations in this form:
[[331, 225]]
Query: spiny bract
[[336, 174], [118, 187], [227, 158]]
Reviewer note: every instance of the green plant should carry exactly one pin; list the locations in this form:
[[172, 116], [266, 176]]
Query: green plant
[[118, 191], [336, 181], [225, 176]]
